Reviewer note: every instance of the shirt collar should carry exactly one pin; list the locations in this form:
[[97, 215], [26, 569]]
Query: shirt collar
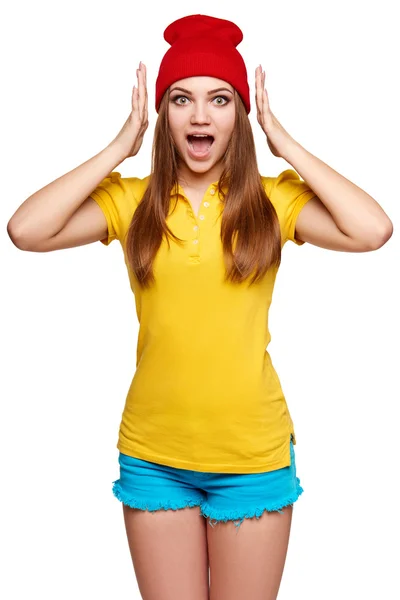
[[212, 185]]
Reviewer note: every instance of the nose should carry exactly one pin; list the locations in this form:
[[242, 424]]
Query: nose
[[200, 113]]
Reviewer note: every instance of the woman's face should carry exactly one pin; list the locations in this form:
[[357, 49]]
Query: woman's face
[[201, 105]]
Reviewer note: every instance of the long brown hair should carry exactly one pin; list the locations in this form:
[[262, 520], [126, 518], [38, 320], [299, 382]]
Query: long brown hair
[[250, 231]]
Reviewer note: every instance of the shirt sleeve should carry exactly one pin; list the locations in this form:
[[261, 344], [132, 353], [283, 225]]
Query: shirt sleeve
[[288, 193], [115, 197]]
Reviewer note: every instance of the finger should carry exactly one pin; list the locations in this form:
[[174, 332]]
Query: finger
[[141, 91], [258, 83], [257, 77], [260, 87], [258, 73], [145, 112], [258, 90], [145, 75], [135, 107], [146, 95], [266, 99], [264, 92]]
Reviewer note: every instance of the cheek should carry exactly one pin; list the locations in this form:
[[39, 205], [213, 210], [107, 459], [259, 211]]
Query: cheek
[[225, 133], [176, 123], [227, 123]]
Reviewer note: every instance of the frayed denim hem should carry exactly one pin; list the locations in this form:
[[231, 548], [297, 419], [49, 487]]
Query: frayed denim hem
[[237, 515], [152, 506]]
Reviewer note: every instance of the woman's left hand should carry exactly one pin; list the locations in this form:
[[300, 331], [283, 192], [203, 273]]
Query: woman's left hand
[[278, 138]]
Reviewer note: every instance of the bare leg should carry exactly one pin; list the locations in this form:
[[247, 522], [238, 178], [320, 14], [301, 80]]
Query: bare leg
[[248, 562], [169, 553]]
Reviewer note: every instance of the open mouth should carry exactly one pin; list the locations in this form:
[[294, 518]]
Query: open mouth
[[200, 144]]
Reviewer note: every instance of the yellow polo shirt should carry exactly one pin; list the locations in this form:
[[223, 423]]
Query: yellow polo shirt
[[204, 395]]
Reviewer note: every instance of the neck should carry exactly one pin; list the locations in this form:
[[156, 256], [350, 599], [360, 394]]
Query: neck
[[198, 181]]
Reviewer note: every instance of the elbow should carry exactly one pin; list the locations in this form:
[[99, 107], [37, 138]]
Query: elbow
[[17, 237], [389, 231], [383, 235]]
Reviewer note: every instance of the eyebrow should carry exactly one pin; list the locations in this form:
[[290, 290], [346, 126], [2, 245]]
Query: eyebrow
[[210, 92]]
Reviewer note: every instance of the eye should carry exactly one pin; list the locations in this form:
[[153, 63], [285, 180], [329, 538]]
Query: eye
[[174, 98], [224, 98]]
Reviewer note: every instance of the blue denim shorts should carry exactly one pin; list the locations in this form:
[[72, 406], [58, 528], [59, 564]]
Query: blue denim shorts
[[221, 496]]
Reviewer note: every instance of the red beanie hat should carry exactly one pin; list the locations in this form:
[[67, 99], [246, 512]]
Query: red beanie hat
[[203, 45]]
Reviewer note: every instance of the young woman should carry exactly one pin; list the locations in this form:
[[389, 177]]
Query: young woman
[[207, 464]]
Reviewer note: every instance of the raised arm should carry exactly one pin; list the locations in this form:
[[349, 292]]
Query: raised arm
[[62, 214]]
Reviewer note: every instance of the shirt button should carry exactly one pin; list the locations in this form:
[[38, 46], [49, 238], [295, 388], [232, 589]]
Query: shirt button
[[212, 191], [202, 217], [206, 204], [196, 227], [195, 241]]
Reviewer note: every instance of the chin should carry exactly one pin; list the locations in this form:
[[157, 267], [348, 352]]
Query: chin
[[200, 168]]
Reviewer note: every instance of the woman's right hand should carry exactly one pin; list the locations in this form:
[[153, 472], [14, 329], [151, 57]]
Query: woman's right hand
[[130, 138]]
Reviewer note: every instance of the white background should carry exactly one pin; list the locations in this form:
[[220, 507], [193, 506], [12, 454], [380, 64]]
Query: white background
[[68, 321]]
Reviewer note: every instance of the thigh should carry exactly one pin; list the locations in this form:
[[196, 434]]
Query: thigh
[[169, 552], [166, 532], [247, 545], [249, 563]]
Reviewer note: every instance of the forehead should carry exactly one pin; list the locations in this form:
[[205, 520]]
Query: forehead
[[200, 83]]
